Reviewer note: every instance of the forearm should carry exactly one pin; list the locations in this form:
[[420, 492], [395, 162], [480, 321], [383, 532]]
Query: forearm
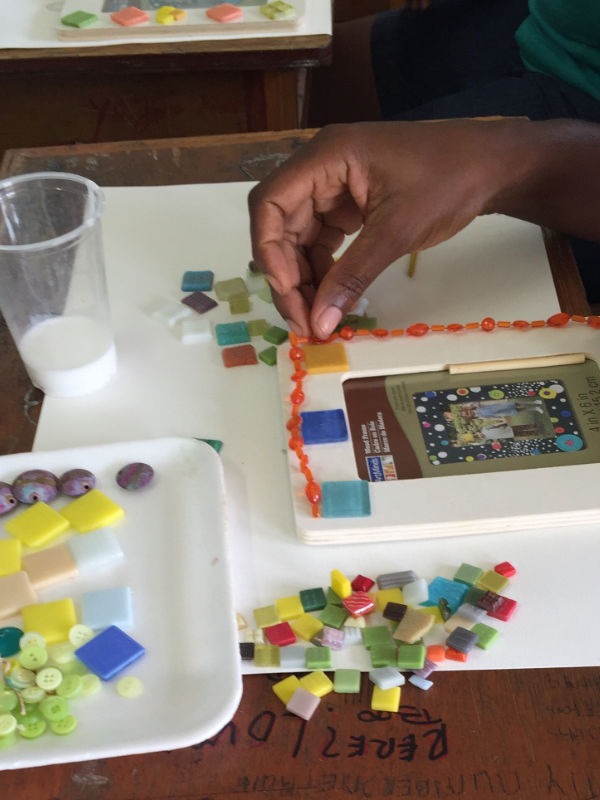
[[551, 174]]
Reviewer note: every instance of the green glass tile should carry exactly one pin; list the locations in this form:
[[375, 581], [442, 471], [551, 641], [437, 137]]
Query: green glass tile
[[216, 444], [333, 598], [410, 656], [268, 356], [474, 595], [487, 635], [468, 574], [79, 19], [379, 634], [275, 335], [333, 616], [318, 658], [265, 294], [266, 616], [256, 327], [383, 655], [255, 281], [266, 655], [346, 681], [239, 303], [313, 599], [227, 289], [355, 321]]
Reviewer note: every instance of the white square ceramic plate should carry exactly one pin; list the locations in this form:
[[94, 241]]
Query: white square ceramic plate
[[177, 565]]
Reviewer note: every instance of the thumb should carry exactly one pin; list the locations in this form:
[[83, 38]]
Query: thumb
[[370, 253]]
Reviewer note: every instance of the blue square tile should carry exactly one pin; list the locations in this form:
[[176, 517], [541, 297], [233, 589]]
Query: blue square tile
[[453, 592], [197, 280], [321, 427], [232, 333], [346, 499], [109, 652], [106, 607]]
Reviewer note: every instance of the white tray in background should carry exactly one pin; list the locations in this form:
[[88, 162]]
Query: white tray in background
[[177, 565]]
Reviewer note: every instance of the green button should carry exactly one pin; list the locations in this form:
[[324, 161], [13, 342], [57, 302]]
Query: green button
[[19, 678], [8, 724], [8, 700], [33, 657], [70, 687], [54, 708], [64, 726], [49, 678], [31, 726], [7, 741], [130, 687], [33, 694], [32, 637]]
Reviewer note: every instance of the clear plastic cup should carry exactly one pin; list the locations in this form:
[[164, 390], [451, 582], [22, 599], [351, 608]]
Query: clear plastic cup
[[53, 291]]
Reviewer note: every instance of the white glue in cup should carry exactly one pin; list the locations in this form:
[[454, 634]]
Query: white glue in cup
[[53, 291]]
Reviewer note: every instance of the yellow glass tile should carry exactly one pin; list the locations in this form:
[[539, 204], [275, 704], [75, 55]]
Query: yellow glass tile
[[49, 566], [385, 596], [10, 556], [16, 591], [385, 699], [285, 689], [492, 581], [38, 525], [289, 607], [340, 584], [306, 626], [413, 626], [53, 620], [316, 683], [322, 358], [435, 613], [92, 510]]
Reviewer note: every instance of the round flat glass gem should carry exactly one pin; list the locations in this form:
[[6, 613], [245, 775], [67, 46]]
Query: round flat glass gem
[[33, 657], [10, 641], [8, 724], [64, 726], [32, 726], [54, 708], [76, 482], [61, 653], [130, 687], [8, 501], [49, 678], [70, 687], [135, 476], [90, 684], [34, 485]]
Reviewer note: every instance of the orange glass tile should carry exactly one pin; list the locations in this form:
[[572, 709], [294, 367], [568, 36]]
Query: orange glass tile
[[240, 356]]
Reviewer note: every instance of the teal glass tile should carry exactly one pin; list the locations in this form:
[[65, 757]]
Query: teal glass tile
[[345, 499], [198, 280], [228, 333]]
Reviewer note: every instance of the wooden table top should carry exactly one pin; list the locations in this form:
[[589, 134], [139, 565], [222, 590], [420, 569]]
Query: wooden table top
[[529, 734]]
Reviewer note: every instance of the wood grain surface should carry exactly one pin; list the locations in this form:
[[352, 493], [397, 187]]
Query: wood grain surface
[[526, 734]]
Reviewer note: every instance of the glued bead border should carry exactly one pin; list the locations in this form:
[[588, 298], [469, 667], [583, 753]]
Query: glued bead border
[[312, 490]]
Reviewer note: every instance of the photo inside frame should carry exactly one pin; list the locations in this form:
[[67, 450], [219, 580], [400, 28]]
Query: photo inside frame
[[433, 424]]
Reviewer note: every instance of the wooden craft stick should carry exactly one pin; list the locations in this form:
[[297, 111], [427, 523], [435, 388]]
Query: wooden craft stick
[[558, 360], [412, 264]]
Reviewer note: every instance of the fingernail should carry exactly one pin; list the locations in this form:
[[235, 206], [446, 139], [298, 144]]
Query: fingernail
[[294, 328], [328, 321], [274, 284]]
